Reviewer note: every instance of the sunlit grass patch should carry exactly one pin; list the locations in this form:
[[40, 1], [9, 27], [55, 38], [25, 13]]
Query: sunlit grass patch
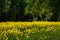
[[29, 30]]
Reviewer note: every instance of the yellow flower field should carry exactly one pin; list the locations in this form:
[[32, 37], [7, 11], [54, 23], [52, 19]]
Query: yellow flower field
[[30, 31]]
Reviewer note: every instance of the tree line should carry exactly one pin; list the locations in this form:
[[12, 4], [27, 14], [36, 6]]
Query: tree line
[[29, 10]]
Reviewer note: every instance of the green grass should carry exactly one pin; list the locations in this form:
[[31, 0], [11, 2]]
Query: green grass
[[30, 31]]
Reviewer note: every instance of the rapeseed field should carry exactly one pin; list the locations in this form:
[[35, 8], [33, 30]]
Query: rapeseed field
[[30, 31]]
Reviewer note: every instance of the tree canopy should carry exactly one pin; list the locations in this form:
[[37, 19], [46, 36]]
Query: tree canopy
[[29, 10]]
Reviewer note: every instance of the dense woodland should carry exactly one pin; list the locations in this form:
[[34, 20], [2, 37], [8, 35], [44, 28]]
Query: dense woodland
[[29, 10]]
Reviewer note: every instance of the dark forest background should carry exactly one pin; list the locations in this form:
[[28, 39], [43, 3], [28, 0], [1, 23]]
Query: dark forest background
[[29, 10]]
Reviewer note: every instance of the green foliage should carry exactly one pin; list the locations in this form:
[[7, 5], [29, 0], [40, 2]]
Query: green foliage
[[39, 8], [45, 10]]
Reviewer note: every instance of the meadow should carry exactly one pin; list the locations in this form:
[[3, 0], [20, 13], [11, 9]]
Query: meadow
[[30, 31]]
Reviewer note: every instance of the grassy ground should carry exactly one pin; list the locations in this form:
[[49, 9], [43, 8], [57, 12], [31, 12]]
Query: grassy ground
[[30, 31]]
